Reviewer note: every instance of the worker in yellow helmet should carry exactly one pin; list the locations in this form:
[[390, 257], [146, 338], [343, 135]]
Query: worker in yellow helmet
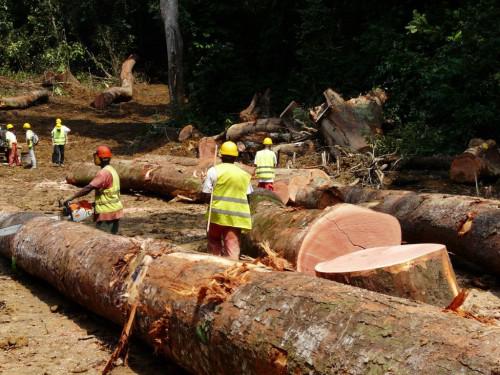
[[265, 161], [10, 137], [229, 211], [59, 140], [31, 140]]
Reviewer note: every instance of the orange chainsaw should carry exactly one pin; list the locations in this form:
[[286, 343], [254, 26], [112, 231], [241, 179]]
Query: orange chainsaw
[[77, 211]]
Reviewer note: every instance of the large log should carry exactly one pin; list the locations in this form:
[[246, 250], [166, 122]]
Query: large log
[[298, 148], [307, 237], [421, 272], [26, 100], [348, 123], [261, 322], [468, 226], [122, 93], [269, 125], [481, 160]]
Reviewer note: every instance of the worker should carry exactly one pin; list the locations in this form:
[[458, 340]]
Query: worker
[[59, 140], [30, 140], [13, 156], [229, 211], [266, 161], [106, 184]]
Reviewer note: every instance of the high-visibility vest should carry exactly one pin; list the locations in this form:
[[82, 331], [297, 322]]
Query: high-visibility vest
[[58, 136], [29, 138], [108, 200], [264, 160], [229, 203]]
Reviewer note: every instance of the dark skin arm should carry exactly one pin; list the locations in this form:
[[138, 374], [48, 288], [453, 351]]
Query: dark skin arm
[[84, 191]]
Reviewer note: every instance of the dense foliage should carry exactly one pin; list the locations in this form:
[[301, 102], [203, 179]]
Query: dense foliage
[[439, 61]]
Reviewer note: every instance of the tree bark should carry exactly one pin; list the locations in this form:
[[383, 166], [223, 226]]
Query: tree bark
[[265, 323], [175, 50], [421, 272], [290, 182], [259, 107], [238, 131], [118, 94], [188, 132], [298, 148], [24, 101], [307, 237], [481, 160], [468, 226]]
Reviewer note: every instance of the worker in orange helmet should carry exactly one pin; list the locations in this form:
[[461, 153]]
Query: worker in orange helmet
[[229, 211], [106, 184]]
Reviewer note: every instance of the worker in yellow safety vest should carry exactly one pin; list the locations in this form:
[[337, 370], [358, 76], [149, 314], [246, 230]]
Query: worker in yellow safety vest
[[31, 141], [229, 211], [108, 206], [59, 140], [265, 161]]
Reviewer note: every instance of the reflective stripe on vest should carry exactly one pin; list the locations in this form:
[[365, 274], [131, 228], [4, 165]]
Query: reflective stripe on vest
[[229, 203], [108, 200], [58, 136], [264, 160]]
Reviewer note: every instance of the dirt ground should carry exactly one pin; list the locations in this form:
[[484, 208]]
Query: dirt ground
[[40, 331]]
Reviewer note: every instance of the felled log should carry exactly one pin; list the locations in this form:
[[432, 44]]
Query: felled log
[[238, 131], [24, 101], [421, 272], [321, 196], [259, 107], [468, 226], [298, 148], [118, 94], [289, 182], [206, 148], [481, 160], [308, 237], [347, 123], [188, 132], [195, 309]]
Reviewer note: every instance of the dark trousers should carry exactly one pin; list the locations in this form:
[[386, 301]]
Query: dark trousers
[[110, 226], [58, 154]]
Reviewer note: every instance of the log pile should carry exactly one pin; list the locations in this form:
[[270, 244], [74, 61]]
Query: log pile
[[215, 316], [480, 161]]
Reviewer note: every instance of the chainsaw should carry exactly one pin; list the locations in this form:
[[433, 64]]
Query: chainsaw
[[77, 211]]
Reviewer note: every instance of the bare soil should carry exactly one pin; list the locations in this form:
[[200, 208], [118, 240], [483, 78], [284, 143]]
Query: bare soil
[[41, 332]]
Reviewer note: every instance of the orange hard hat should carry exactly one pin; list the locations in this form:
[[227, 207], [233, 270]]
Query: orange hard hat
[[104, 152]]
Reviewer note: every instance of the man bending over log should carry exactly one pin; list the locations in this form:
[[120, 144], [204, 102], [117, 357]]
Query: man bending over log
[[108, 207], [265, 160], [227, 187]]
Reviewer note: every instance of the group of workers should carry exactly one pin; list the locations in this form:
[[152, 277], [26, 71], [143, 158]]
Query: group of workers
[[226, 189], [59, 136]]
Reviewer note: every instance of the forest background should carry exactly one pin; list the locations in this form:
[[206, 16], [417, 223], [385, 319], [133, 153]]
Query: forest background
[[438, 60]]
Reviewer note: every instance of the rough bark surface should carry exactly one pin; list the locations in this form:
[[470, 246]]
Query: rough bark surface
[[298, 148], [307, 237], [468, 226], [421, 272], [118, 94], [271, 323], [26, 100], [238, 131], [189, 132], [481, 160]]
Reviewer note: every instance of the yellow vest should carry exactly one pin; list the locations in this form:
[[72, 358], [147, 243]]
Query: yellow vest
[[58, 136], [264, 160], [229, 203], [108, 200]]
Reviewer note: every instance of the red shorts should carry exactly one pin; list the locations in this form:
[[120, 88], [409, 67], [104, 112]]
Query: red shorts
[[266, 185]]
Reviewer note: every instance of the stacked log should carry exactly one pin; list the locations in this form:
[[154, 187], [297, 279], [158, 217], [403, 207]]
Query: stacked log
[[264, 323], [307, 237], [468, 226], [481, 160], [421, 272]]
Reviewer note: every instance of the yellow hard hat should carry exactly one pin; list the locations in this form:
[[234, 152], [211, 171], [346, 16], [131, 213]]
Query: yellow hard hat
[[10, 126], [58, 121], [26, 125], [229, 148], [267, 141]]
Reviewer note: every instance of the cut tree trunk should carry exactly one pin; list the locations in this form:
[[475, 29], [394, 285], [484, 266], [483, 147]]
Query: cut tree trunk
[[264, 323], [307, 237], [289, 182], [268, 125], [298, 148], [24, 101], [175, 50], [189, 132], [348, 123], [421, 272], [118, 94], [468, 226], [481, 160], [207, 148], [259, 107]]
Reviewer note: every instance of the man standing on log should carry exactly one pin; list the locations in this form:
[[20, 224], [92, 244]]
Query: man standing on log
[[59, 140], [10, 137], [108, 207], [30, 140], [229, 211], [266, 161]]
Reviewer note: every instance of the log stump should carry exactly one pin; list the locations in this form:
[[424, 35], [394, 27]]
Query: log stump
[[421, 272]]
